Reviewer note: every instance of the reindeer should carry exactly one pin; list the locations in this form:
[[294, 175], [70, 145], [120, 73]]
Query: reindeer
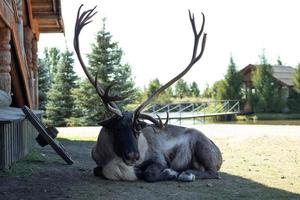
[[133, 145]]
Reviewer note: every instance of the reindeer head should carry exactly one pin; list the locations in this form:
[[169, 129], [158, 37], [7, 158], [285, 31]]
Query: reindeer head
[[126, 126]]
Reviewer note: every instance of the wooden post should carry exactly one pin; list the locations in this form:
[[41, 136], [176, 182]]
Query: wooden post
[[5, 59], [35, 71], [28, 51]]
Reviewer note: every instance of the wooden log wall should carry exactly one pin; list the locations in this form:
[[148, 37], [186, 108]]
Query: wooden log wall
[[17, 138]]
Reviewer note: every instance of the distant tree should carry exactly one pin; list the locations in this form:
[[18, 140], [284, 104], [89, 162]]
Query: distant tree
[[152, 87], [51, 58], [47, 68], [182, 89], [294, 96], [267, 96], [233, 82], [169, 92], [219, 90], [296, 79], [194, 90], [164, 97], [44, 83], [105, 58], [207, 93], [60, 105]]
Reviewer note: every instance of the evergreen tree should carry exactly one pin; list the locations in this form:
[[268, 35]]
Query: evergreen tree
[[164, 97], [54, 57], [194, 89], [267, 96], [47, 67], [182, 89], [233, 82], [296, 79], [207, 93], [294, 96], [153, 86], [219, 90], [105, 59], [60, 105], [44, 83], [51, 59]]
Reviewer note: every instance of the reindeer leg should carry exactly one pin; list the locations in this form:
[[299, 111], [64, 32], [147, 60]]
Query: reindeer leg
[[153, 172], [208, 160]]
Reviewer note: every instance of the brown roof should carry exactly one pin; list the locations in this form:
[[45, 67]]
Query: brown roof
[[47, 13]]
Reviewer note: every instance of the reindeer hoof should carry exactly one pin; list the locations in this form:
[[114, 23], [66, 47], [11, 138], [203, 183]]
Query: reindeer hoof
[[170, 174], [186, 177]]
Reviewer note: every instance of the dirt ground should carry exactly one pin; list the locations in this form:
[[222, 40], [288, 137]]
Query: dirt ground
[[48, 177]]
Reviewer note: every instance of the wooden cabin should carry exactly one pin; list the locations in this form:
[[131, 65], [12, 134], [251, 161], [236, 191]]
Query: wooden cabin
[[21, 23], [281, 74]]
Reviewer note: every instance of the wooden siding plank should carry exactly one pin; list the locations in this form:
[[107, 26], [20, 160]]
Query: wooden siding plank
[[16, 140]]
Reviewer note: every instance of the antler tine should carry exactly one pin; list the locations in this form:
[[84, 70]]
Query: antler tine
[[105, 94], [194, 59], [82, 20], [151, 119], [107, 100], [157, 122], [167, 119]]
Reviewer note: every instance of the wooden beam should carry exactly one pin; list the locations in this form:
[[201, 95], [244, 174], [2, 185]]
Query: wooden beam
[[33, 22], [42, 15]]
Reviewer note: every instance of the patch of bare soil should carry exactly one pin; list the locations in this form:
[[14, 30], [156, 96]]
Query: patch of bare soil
[[51, 178]]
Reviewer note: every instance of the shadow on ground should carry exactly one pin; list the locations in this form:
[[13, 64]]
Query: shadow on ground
[[50, 178]]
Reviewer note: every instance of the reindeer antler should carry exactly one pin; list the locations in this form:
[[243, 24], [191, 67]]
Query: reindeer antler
[[82, 20], [195, 57]]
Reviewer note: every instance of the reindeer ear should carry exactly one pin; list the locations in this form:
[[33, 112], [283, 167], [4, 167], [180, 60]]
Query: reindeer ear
[[110, 122]]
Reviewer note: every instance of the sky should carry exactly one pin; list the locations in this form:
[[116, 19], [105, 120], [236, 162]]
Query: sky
[[157, 38]]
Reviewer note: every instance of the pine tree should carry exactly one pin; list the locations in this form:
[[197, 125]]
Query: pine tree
[[294, 96], [207, 93], [296, 79], [44, 83], [233, 82], [47, 68], [105, 58], [219, 90], [267, 96], [194, 89], [51, 59], [153, 86], [182, 89], [60, 105], [164, 96]]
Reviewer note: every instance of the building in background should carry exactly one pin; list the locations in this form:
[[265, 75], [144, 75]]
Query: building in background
[[281, 74], [21, 23]]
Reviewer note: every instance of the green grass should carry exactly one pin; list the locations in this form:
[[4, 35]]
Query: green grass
[[269, 116], [79, 133], [25, 166]]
